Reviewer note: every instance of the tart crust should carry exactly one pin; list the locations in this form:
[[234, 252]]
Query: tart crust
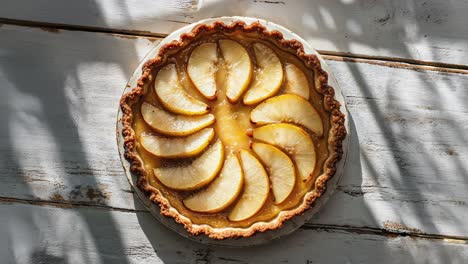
[[337, 131]]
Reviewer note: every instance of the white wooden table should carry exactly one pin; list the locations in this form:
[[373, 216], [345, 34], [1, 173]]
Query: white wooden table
[[402, 66]]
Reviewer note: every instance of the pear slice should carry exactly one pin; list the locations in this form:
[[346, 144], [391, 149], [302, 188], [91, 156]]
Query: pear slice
[[296, 81], [202, 69], [239, 68], [294, 141], [256, 188], [288, 108], [222, 192], [174, 125], [268, 78], [181, 147], [280, 169], [196, 174], [173, 96]]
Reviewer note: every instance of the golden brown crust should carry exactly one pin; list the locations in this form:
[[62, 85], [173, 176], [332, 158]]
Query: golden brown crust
[[336, 135]]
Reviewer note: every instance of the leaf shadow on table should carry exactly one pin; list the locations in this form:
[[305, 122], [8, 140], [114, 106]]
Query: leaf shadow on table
[[36, 99], [395, 120], [46, 96], [414, 135], [401, 180]]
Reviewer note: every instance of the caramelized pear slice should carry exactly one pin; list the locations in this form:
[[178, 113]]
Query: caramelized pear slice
[[288, 108], [239, 68], [268, 75], [196, 174], [202, 69], [222, 192], [294, 141], [173, 96], [296, 81], [280, 169], [256, 188], [174, 125], [179, 147]]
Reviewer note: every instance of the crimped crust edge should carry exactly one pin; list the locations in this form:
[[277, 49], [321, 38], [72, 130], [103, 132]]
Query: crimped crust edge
[[337, 131]]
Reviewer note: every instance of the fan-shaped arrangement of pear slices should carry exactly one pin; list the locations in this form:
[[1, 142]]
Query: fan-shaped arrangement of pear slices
[[281, 152]]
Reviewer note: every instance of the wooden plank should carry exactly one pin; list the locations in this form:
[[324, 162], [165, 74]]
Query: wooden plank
[[62, 94], [425, 30], [43, 234], [410, 127], [406, 168]]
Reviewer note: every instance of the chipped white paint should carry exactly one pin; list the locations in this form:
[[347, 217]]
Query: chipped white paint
[[421, 30]]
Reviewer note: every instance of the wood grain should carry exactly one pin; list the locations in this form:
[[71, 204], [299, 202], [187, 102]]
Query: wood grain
[[43, 234], [406, 169], [421, 31]]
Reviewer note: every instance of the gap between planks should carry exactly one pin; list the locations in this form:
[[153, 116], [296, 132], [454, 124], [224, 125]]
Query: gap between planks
[[401, 63], [389, 233], [57, 27], [395, 62]]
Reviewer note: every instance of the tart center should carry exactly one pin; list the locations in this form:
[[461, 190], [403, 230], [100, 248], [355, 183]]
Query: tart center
[[192, 129], [232, 123]]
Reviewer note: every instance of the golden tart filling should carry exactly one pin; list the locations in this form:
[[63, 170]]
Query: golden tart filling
[[230, 126]]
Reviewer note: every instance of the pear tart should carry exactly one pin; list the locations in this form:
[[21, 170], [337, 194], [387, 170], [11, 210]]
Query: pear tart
[[232, 130]]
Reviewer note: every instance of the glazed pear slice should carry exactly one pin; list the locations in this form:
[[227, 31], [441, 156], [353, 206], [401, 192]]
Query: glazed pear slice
[[256, 188], [294, 141], [222, 192], [180, 147], [296, 81], [196, 174], [280, 169], [202, 69], [174, 125], [288, 108], [239, 68], [173, 96], [268, 75]]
